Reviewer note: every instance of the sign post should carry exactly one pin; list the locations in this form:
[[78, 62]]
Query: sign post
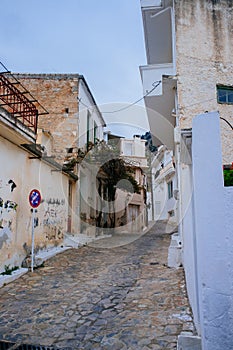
[[34, 200], [33, 240]]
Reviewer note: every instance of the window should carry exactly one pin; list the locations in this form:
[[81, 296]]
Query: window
[[70, 150], [95, 132], [170, 189], [88, 126], [225, 94], [128, 149]]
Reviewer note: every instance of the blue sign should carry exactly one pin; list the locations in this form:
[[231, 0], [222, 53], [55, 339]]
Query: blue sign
[[35, 198]]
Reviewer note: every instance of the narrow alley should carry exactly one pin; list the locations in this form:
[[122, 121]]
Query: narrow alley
[[100, 298]]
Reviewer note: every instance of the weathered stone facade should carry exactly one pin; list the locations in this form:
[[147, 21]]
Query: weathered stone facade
[[204, 44], [68, 126], [58, 93]]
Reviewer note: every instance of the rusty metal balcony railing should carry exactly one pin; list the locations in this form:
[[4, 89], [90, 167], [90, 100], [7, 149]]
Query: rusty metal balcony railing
[[17, 104]]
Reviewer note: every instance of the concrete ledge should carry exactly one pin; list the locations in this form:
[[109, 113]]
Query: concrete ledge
[[50, 252], [79, 240], [174, 251], [5, 279], [188, 341]]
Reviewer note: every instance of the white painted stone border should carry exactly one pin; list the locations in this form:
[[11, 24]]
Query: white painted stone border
[[5, 279], [188, 341], [44, 255], [50, 252]]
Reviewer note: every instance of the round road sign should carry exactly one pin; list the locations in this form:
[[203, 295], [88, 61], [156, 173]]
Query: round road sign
[[35, 198]]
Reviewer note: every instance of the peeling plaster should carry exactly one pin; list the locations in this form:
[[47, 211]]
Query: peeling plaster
[[7, 214], [53, 221]]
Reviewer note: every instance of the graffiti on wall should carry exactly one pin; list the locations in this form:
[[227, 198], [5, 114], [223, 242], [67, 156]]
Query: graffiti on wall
[[54, 219], [7, 213]]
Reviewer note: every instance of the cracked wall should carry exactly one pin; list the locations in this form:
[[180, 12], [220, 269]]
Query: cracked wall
[[204, 44], [57, 93], [19, 177]]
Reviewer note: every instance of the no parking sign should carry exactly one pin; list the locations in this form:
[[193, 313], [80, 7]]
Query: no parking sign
[[34, 200]]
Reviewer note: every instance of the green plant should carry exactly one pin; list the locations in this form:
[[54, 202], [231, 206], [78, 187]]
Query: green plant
[[107, 155], [39, 266], [83, 216], [228, 177], [8, 270]]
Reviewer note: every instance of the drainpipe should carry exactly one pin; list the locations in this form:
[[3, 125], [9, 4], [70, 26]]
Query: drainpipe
[[178, 163], [152, 193]]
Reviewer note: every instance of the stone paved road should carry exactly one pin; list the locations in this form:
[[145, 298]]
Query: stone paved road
[[97, 298]]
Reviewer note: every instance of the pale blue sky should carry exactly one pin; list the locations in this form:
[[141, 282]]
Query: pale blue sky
[[103, 40]]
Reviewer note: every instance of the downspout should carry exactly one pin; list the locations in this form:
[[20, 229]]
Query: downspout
[[178, 163], [151, 189]]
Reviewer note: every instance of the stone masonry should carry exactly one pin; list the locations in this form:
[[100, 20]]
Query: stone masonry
[[204, 44], [104, 296], [58, 93]]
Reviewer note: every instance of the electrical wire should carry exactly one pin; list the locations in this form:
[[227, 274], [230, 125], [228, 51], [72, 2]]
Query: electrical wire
[[155, 85], [203, 101], [84, 104], [149, 92], [24, 88], [227, 122], [197, 103]]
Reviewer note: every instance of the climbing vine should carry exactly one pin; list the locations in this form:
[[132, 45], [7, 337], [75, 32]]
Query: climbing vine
[[111, 165], [112, 168]]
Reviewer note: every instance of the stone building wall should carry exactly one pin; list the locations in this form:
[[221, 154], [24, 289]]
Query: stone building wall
[[204, 44], [58, 94]]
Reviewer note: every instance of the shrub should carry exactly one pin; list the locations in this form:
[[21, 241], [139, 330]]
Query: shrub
[[228, 177]]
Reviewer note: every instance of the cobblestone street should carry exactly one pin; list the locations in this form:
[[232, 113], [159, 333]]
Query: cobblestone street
[[100, 298]]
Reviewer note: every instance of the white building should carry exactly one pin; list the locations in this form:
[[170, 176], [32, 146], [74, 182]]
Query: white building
[[188, 46], [164, 185], [91, 130]]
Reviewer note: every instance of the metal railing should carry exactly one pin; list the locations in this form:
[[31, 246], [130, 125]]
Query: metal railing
[[17, 104]]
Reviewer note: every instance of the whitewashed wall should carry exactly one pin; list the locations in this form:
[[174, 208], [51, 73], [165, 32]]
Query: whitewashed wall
[[189, 241], [85, 105], [213, 235], [162, 204], [15, 211]]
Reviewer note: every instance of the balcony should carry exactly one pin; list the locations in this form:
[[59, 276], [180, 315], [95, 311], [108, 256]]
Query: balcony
[[159, 29], [159, 32], [14, 130], [151, 74], [151, 3], [167, 171], [159, 107], [22, 110]]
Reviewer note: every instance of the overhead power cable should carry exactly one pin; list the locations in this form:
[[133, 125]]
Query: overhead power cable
[[203, 101], [155, 85]]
